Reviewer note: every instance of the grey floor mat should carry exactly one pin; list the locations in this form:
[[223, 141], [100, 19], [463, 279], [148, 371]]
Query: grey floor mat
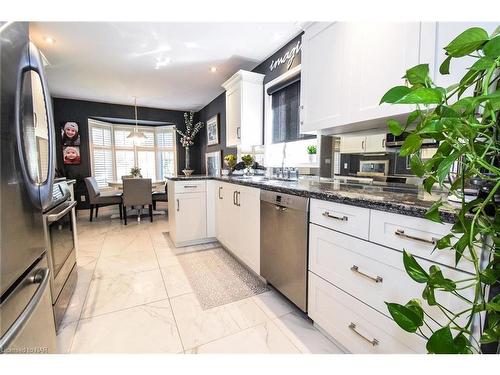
[[217, 278]]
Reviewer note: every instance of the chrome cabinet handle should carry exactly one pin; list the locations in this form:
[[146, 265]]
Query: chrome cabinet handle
[[238, 198], [220, 188], [178, 205], [41, 277], [330, 216], [190, 186], [234, 197], [377, 279], [363, 145], [383, 142], [238, 132], [401, 233], [374, 341]]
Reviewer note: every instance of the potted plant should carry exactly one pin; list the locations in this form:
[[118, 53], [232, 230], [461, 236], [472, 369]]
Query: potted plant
[[464, 118], [187, 139], [248, 160], [230, 161], [135, 172], [311, 151]]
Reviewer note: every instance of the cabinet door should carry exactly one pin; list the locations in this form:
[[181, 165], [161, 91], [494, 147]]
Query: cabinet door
[[323, 68], [445, 33], [233, 116], [375, 143], [211, 196], [379, 54], [191, 217], [351, 145], [247, 244]]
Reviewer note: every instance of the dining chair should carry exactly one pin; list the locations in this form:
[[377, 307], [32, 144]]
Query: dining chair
[[99, 199], [160, 196], [137, 193]]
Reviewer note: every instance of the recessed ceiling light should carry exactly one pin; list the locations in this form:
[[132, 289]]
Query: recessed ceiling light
[[49, 40], [213, 69]]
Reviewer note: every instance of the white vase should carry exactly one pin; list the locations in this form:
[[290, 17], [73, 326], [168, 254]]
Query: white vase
[[312, 158]]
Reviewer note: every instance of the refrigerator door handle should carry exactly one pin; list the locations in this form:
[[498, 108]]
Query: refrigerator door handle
[[40, 193], [41, 278]]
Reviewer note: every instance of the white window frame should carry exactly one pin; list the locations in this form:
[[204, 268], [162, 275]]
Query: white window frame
[[156, 149]]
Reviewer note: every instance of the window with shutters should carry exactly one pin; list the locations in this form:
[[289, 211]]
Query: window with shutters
[[113, 154]]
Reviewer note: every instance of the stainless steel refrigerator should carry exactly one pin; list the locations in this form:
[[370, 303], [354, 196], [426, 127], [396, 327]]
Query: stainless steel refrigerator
[[27, 176]]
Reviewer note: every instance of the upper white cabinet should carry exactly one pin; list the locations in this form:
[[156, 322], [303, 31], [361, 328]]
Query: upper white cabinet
[[323, 82], [244, 109], [363, 144], [443, 33]]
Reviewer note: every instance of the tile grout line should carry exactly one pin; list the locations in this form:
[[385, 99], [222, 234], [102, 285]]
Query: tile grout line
[[166, 290]]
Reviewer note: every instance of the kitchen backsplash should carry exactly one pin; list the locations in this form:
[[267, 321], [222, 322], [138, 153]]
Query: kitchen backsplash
[[398, 165]]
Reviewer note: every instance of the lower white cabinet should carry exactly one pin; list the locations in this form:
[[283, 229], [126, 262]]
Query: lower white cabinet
[[237, 218], [356, 326], [187, 212]]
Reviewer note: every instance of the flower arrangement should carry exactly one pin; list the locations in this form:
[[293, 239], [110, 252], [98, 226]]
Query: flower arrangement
[[135, 172], [230, 161], [187, 137]]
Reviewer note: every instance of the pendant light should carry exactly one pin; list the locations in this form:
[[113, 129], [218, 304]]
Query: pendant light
[[136, 136]]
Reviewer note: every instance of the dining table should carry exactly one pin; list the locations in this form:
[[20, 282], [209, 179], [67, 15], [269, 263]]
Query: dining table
[[156, 185]]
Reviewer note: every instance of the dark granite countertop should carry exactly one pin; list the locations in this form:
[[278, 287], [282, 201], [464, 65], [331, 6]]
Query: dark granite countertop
[[397, 198]]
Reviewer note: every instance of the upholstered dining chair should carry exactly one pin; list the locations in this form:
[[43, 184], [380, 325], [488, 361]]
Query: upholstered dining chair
[[137, 193], [159, 196], [99, 199]]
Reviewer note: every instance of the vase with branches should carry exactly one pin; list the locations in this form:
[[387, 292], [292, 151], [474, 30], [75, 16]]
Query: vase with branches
[[187, 138], [464, 118]]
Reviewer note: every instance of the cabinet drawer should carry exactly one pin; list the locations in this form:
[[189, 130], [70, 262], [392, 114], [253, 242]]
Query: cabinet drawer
[[374, 273], [415, 235], [189, 186], [344, 218], [359, 328]]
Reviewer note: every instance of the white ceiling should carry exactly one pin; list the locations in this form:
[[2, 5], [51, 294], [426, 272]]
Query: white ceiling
[[113, 62]]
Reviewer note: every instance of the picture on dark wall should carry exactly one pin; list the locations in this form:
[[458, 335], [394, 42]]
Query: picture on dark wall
[[213, 163], [213, 130], [71, 155], [70, 134]]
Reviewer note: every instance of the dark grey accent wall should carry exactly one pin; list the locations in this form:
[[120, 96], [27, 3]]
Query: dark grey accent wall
[[265, 66], [218, 106], [215, 107], [80, 110]]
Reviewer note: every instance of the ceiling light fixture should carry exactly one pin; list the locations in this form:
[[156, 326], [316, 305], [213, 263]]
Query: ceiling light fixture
[[213, 69], [136, 136], [49, 40]]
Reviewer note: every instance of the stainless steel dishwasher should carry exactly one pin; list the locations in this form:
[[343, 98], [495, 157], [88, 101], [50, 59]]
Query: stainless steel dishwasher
[[283, 244]]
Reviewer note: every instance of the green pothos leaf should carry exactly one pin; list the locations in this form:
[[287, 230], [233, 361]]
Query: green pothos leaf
[[413, 269], [433, 212]]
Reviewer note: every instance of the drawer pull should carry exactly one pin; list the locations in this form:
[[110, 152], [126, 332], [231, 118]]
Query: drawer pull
[[374, 342], [190, 186], [401, 233], [377, 279], [329, 215]]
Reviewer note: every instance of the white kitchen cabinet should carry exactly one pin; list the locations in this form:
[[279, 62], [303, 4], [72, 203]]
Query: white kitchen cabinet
[[187, 207], [238, 222], [378, 55], [352, 145], [363, 144], [211, 189], [355, 325], [376, 143], [244, 109], [440, 34], [346, 69], [323, 81]]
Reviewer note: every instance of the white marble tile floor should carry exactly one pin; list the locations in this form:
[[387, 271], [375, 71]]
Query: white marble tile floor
[[133, 296]]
